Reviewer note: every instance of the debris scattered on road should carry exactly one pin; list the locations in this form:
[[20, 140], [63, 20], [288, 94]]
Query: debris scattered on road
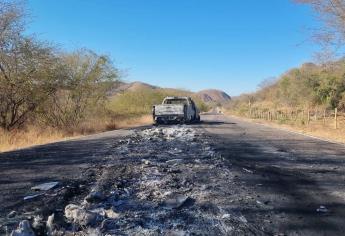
[[50, 224], [94, 196], [243, 219], [45, 186], [322, 209], [11, 214], [161, 180], [29, 197], [80, 216], [176, 233], [38, 224], [175, 201], [146, 162], [110, 213], [24, 229], [248, 171]]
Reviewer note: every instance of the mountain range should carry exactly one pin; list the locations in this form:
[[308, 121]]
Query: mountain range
[[208, 96]]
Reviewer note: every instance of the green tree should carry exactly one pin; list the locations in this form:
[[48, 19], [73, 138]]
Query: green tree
[[87, 77], [28, 69]]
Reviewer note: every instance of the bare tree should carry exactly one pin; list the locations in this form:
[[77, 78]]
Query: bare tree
[[11, 22], [268, 82], [332, 13]]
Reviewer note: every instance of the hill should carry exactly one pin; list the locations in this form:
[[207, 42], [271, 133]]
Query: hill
[[209, 96], [120, 87], [213, 96]]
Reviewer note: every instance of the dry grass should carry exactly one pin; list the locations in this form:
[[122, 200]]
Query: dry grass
[[132, 122], [36, 136], [317, 128], [31, 136]]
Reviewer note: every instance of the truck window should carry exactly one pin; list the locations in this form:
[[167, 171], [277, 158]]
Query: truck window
[[176, 101]]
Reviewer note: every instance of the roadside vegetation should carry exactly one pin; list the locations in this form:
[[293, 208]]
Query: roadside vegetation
[[310, 98], [309, 87], [48, 94]]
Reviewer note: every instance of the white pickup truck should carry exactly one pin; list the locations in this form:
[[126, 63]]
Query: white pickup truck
[[176, 110]]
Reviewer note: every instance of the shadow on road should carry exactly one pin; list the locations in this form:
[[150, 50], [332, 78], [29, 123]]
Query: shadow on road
[[62, 161], [290, 180], [206, 122]]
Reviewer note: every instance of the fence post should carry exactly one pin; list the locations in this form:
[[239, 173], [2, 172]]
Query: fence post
[[324, 116], [308, 120], [303, 116], [336, 118], [315, 115]]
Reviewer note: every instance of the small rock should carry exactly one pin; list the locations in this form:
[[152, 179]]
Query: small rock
[[226, 216], [12, 214], [80, 216], [24, 229]]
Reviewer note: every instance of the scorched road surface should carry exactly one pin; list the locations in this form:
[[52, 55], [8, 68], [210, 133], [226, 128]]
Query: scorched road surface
[[221, 177]]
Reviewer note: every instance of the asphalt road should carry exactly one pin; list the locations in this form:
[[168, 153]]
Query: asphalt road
[[276, 182], [291, 174]]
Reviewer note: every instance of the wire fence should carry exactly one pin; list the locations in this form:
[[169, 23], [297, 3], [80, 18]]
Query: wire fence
[[327, 117]]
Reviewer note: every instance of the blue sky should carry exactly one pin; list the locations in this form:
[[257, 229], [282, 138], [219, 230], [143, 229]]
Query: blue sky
[[230, 45]]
